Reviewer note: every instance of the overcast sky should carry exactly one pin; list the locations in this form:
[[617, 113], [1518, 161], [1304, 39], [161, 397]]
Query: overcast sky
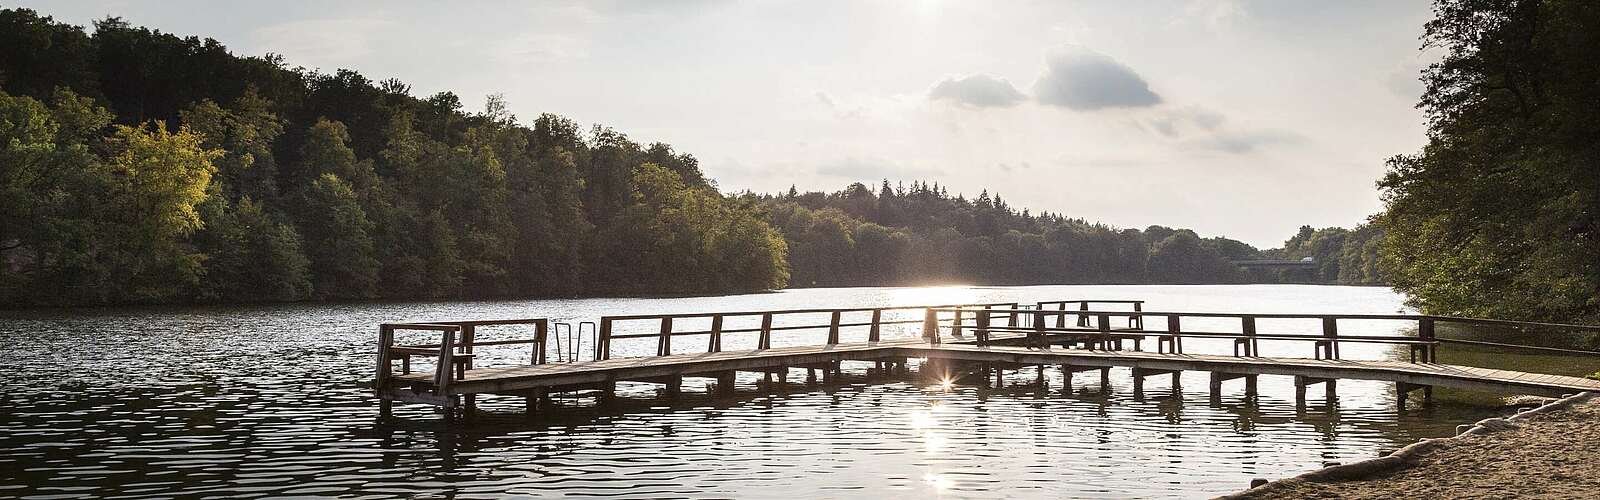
[[1238, 118]]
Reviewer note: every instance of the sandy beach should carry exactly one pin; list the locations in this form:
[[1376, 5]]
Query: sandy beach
[[1549, 452]]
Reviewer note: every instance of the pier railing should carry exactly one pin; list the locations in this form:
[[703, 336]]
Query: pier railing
[[1099, 330], [669, 326], [456, 350]]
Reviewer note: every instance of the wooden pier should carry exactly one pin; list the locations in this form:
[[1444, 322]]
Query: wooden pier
[[999, 335]]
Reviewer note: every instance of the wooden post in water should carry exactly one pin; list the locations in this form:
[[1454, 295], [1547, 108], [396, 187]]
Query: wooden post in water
[[445, 372], [385, 341]]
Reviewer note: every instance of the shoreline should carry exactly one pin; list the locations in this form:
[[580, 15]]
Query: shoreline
[[1552, 451]]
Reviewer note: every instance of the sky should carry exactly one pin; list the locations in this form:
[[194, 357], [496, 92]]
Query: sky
[[1237, 118]]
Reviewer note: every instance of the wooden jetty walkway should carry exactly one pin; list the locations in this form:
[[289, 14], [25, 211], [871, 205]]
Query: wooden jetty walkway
[[1049, 333]]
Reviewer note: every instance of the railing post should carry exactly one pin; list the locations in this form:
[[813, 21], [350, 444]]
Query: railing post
[[833, 329], [1061, 319], [1105, 331], [1175, 327], [1248, 326], [602, 345], [541, 336], [930, 326], [716, 334], [955, 328], [1330, 329], [445, 371], [982, 334], [765, 340], [468, 331], [1038, 329], [877, 319], [1012, 322], [664, 347], [1137, 320], [385, 340], [1083, 319], [1425, 332]]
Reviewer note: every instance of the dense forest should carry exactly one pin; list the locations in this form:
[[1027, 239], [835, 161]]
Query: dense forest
[[144, 167], [921, 234], [1499, 214]]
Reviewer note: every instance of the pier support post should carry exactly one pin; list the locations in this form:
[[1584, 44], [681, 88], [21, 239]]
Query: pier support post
[[1139, 375], [674, 385], [1403, 390], [1217, 378], [725, 382], [1301, 381]]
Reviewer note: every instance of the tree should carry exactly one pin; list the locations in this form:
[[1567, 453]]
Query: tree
[[337, 240], [1499, 214]]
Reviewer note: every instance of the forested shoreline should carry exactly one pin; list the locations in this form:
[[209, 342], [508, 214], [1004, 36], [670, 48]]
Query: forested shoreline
[[144, 167], [921, 234]]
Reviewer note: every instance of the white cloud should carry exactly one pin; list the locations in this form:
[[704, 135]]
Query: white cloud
[[979, 91], [1084, 80]]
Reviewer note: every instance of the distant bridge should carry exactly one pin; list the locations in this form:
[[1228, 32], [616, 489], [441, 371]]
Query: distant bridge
[[1307, 263]]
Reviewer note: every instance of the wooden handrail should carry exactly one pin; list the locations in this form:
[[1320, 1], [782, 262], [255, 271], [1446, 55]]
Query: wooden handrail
[[835, 322]]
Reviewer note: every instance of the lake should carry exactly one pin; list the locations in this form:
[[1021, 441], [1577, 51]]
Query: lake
[[270, 401]]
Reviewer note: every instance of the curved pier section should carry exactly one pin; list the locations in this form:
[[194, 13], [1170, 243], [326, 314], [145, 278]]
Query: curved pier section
[[1075, 335]]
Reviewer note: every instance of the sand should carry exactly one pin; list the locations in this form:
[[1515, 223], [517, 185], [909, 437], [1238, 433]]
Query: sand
[[1550, 452]]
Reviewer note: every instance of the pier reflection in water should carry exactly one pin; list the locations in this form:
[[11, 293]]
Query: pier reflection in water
[[268, 401]]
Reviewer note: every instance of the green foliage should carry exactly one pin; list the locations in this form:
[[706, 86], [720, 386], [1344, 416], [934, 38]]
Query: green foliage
[[338, 243], [1499, 214], [286, 184], [922, 235]]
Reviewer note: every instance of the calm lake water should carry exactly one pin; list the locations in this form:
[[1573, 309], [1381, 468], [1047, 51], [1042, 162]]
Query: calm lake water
[[270, 401]]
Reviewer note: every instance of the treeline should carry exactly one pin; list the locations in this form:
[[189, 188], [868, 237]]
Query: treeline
[[899, 235], [139, 166]]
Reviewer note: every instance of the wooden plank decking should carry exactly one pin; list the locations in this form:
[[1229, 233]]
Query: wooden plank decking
[[512, 379]]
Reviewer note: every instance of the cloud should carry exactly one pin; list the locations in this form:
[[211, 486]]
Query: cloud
[[1186, 120], [867, 169], [978, 91], [1084, 80], [1246, 142]]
